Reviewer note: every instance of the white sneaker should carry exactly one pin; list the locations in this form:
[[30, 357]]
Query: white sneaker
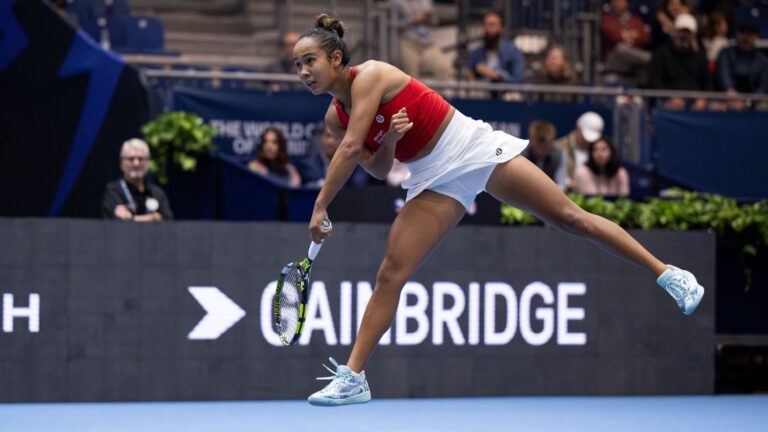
[[683, 287], [346, 388]]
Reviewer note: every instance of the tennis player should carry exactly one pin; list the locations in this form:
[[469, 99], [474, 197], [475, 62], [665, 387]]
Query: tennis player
[[380, 114]]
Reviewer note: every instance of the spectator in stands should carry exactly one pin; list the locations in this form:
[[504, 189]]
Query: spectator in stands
[[420, 56], [680, 64], [575, 145], [625, 41], [134, 197], [328, 145], [272, 159], [285, 64], [543, 152], [725, 8], [715, 37], [498, 59], [603, 173], [557, 68], [742, 68], [664, 26]]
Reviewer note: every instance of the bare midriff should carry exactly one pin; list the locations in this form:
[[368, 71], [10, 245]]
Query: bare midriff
[[436, 137]]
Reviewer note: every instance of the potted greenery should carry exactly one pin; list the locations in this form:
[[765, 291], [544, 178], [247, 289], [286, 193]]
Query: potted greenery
[[177, 138], [745, 225]]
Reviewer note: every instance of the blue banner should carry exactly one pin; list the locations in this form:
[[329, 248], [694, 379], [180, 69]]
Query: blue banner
[[718, 152], [514, 117], [240, 116]]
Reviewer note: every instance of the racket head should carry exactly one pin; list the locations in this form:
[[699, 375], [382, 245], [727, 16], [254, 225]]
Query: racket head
[[290, 301]]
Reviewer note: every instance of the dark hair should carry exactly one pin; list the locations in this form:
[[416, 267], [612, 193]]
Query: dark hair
[[713, 18], [280, 163], [613, 165], [541, 129], [328, 32]]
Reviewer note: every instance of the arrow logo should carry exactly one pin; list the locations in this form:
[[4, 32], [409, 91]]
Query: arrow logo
[[221, 313]]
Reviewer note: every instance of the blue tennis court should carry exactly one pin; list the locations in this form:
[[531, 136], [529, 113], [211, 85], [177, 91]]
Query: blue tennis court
[[529, 414]]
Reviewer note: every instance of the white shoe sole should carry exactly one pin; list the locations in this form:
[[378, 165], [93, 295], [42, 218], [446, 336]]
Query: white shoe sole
[[356, 399]]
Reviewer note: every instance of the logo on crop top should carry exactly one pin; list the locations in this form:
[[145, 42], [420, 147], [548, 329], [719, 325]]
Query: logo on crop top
[[379, 118], [499, 151], [379, 137]]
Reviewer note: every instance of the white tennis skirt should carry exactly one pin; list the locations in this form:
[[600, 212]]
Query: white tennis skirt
[[462, 161]]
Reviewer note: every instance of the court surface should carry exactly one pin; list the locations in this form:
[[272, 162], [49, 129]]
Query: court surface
[[524, 414]]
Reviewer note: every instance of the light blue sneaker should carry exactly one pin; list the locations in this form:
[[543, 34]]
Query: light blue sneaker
[[346, 388], [683, 287]]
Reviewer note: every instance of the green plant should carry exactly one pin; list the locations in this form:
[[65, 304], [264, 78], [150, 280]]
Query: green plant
[[680, 210], [177, 138]]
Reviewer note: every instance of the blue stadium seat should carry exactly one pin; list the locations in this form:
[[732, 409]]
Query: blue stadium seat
[[756, 14], [116, 7], [145, 34]]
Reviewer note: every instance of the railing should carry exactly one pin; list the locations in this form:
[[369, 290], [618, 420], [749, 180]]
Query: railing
[[464, 86], [628, 105]]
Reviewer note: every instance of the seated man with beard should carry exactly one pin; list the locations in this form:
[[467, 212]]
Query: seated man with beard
[[497, 60]]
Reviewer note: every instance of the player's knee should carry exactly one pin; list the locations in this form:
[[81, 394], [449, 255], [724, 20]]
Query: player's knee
[[392, 274]]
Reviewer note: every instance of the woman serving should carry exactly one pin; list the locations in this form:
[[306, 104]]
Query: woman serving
[[379, 113]]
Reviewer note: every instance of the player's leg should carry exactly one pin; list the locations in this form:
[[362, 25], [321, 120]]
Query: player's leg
[[521, 184], [418, 228]]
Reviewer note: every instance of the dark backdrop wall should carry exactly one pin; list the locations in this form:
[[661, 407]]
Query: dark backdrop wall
[[109, 311], [66, 107]]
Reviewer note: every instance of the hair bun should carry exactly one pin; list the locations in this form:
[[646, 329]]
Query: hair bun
[[330, 23]]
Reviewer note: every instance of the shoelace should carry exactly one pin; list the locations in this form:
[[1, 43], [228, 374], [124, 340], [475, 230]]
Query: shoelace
[[337, 381], [335, 373]]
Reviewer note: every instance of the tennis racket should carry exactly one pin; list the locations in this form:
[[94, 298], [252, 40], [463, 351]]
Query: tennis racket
[[292, 293]]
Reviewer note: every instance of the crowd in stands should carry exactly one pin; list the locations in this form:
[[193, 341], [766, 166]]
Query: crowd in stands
[[681, 45]]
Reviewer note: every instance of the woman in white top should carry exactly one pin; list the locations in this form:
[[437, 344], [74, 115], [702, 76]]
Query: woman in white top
[[602, 174]]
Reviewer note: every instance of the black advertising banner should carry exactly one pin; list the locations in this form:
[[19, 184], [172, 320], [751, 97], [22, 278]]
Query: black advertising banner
[[110, 311]]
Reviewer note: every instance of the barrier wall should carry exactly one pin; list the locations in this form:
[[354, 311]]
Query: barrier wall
[[718, 152], [110, 311]]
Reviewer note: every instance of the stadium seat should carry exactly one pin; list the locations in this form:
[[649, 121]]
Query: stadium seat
[[755, 14], [144, 33]]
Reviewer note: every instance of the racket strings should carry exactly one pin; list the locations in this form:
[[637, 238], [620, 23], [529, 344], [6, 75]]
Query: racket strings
[[290, 301]]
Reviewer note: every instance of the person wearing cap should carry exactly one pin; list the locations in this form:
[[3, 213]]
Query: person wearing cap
[[575, 145], [680, 64], [134, 197], [742, 68]]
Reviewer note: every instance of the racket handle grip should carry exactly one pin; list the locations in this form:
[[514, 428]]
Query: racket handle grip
[[314, 248]]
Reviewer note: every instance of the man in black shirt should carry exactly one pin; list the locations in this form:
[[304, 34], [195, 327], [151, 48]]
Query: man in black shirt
[[680, 64], [133, 197]]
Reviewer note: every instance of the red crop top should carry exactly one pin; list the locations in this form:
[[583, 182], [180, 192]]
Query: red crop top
[[426, 109]]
